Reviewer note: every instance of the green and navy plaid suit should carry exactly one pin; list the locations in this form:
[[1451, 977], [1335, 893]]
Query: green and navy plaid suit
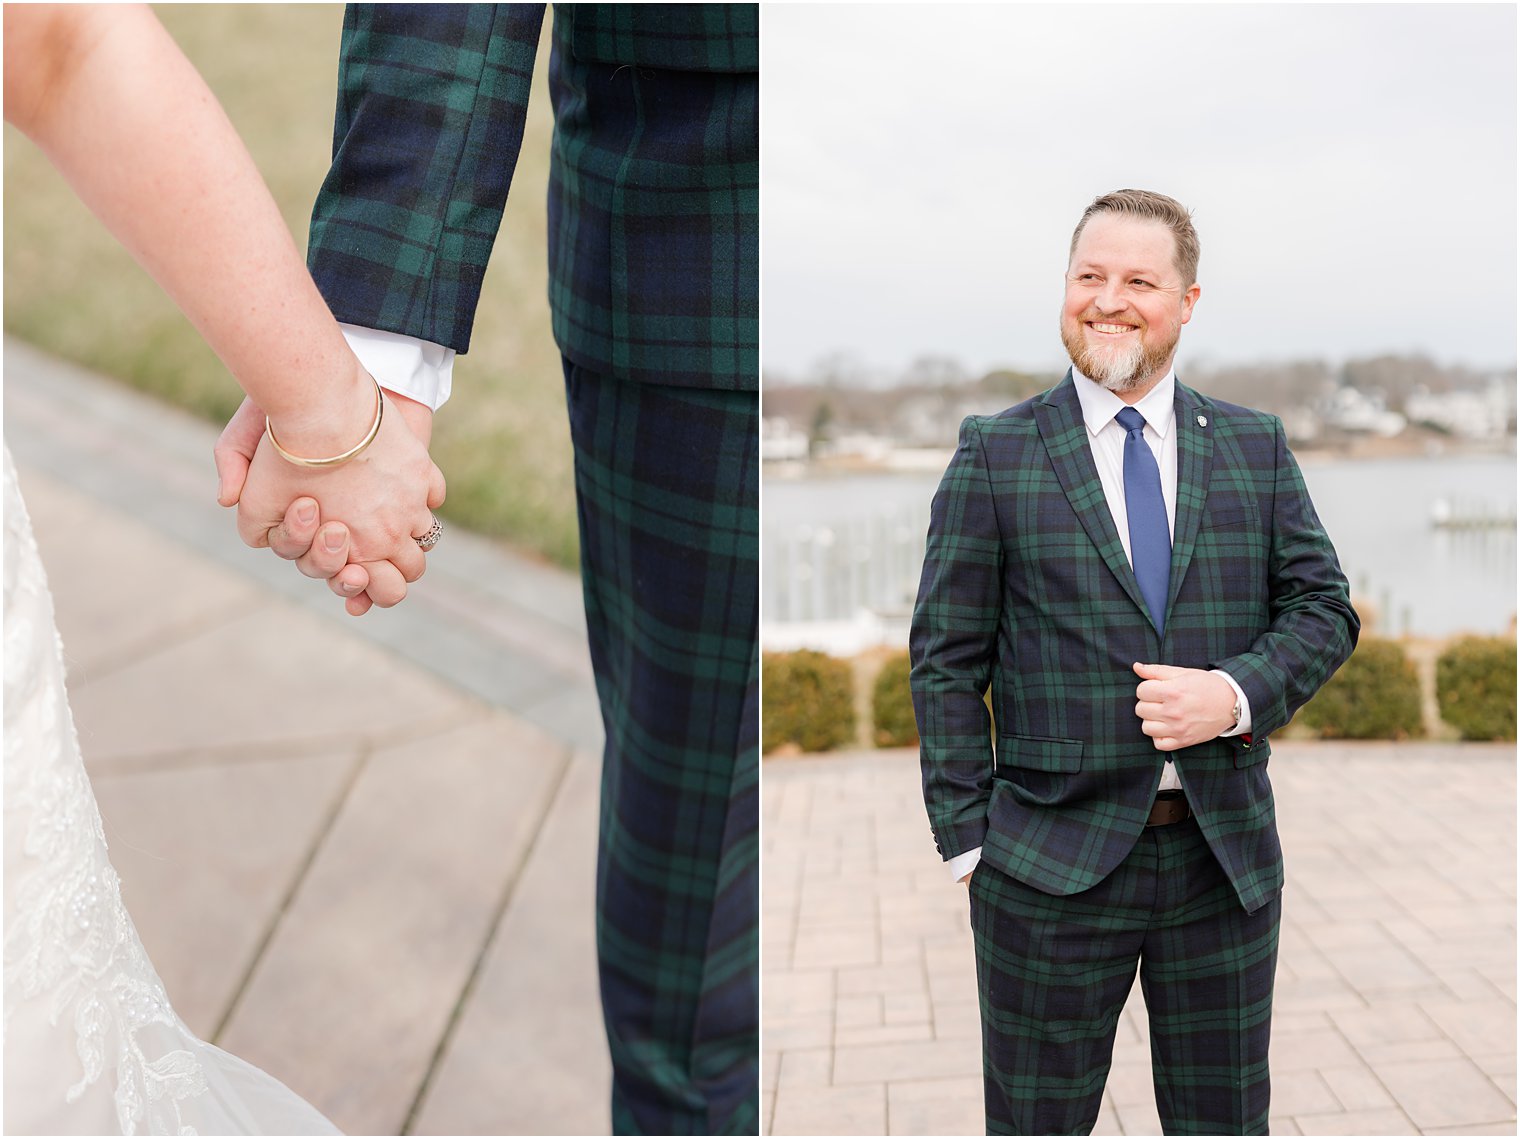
[[654, 292], [654, 192], [1026, 589]]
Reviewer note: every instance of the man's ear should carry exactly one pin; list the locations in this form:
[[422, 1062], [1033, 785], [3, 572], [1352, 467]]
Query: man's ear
[[1189, 299]]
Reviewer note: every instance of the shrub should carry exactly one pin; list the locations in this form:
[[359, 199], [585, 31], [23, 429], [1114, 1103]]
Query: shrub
[[1475, 687], [1374, 696], [892, 704], [808, 699]]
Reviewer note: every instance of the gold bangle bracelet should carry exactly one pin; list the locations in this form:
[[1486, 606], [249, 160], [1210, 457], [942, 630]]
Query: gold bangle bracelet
[[335, 460]]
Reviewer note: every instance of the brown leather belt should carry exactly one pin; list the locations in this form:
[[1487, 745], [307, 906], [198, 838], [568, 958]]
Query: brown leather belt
[[1170, 807]]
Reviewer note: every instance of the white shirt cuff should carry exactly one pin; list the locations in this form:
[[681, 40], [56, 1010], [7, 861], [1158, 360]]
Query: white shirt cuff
[[963, 864], [1244, 727], [417, 369]]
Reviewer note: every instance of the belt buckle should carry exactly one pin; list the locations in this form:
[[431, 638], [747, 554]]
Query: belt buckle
[[1170, 806]]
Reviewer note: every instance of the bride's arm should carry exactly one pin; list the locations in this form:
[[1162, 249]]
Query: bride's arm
[[129, 122]]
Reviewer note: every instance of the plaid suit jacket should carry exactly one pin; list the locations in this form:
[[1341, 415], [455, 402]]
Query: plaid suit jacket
[[654, 179], [1026, 587]]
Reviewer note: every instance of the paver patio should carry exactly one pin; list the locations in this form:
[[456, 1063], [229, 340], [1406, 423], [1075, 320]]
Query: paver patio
[[1395, 998]]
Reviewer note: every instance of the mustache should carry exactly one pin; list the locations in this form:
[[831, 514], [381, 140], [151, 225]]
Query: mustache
[[1091, 317]]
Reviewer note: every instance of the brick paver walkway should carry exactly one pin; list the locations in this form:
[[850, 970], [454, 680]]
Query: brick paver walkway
[[1395, 999]]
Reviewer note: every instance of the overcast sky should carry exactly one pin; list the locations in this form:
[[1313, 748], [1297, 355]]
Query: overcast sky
[[1350, 168]]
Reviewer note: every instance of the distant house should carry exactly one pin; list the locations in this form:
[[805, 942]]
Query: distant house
[[860, 445], [1362, 413], [935, 421], [1483, 414], [781, 442]]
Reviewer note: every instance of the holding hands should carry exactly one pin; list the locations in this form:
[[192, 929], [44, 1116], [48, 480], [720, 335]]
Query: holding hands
[[356, 523], [128, 121]]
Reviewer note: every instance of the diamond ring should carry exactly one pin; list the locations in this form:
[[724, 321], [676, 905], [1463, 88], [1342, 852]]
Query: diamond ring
[[430, 539]]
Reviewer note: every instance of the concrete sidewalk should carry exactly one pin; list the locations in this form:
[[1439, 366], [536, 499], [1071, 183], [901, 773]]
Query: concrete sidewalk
[[361, 853], [1395, 998]]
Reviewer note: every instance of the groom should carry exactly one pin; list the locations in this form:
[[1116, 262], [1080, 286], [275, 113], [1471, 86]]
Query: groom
[[653, 255], [1138, 573]]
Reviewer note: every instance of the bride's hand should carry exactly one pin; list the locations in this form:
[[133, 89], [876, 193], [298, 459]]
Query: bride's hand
[[385, 495], [319, 549]]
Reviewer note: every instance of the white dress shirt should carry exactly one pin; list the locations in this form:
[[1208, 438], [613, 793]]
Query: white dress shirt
[[1106, 438], [417, 369]]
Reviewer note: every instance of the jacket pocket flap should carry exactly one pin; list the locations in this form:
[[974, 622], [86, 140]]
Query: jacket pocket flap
[[1040, 753], [1251, 756], [1227, 514]]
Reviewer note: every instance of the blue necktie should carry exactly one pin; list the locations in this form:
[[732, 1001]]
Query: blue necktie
[[1150, 539]]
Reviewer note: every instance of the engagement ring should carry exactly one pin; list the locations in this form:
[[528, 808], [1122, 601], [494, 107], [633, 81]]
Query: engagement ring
[[430, 539]]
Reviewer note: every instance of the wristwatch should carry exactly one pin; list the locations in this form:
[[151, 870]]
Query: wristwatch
[[1239, 712]]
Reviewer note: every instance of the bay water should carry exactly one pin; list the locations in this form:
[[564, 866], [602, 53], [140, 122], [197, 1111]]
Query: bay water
[[834, 544]]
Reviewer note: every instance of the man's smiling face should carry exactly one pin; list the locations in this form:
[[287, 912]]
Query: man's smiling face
[[1125, 303]]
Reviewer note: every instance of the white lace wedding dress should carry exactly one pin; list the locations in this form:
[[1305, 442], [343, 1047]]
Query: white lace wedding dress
[[92, 1045]]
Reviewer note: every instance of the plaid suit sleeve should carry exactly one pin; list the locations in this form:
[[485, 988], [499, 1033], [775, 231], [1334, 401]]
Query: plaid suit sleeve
[[953, 644], [431, 104], [1314, 628]]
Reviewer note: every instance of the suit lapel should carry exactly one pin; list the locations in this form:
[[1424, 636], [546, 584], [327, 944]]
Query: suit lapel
[[1195, 461], [1058, 414]]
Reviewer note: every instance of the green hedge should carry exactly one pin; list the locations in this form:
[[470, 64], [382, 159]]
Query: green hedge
[[1374, 696], [892, 705], [1475, 687], [808, 700]]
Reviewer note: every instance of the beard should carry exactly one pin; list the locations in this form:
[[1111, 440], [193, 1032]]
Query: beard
[[1118, 367]]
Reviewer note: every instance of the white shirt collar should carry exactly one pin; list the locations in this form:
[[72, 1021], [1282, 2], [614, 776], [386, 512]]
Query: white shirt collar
[[1099, 405]]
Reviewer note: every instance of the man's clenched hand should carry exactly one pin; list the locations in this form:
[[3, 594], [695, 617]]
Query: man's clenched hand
[[1179, 707]]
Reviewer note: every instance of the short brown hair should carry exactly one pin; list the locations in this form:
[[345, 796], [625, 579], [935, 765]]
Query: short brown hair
[[1150, 206]]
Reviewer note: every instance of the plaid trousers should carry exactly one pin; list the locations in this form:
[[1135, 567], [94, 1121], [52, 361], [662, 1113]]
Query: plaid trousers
[[667, 482], [1054, 971]]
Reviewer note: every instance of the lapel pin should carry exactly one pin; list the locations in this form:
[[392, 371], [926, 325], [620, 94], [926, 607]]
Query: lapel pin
[[1203, 421]]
